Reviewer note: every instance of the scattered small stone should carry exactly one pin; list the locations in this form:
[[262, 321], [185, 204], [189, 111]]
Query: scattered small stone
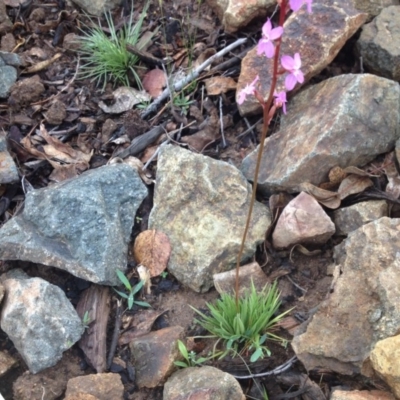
[[373, 7], [97, 7], [8, 76], [201, 205], [39, 320], [5, 22], [104, 386], [385, 359], [26, 91], [361, 395], [303, 221], [6, 363], [71, 42], [378, 43], [236, 14], [348, 219], [8, 42], [363, 307], [224, 282], [56, 114], [82, 225], [329, 125], [202, 383], [8, 169], [154, 355]]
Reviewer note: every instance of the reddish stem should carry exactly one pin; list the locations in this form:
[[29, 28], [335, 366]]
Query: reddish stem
[[266, 118]]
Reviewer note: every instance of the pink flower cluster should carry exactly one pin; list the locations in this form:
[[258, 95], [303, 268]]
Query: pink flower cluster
[[290, 64]]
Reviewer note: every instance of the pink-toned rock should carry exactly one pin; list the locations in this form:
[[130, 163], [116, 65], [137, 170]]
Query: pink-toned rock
[[235, 14], [318, 37], [361, 395], [102, 386], [154, 355], [303, 221]]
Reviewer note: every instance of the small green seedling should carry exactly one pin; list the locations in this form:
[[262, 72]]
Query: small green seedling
[[191, 359], [86, 320], [131, 291], [164, 274]]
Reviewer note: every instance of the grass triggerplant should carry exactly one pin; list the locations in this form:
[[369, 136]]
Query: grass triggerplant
[[105, 57], [246, 328]]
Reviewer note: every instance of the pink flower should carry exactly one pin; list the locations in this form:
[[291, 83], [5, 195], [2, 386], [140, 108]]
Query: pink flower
[[249, 89], [296, 4], [265, 45], [280, 100], [292, 65]]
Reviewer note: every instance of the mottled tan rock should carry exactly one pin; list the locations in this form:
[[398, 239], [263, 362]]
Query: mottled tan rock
[[303, 221], [224, 282], [26, 91], [205, 383], [235, 14], [348, 219], [385, 359], [361, 395], [81, 396], [317, 41], [5, 22], [154, 355], [364, 306], [201, 204], [6, 363], [103, 386], [374, 7], [97, 7], [378, 44], [329, 125], [56, 114]]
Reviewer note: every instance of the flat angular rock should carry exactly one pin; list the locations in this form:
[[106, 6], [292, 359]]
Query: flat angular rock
[[303, 221], [236, 14], [317, 41], [39, 319], [378, 44], [201, 204], [8, 169], [104, 386], [364, 307], [361, 395], [81, 225], [206, 383], [348, 219], [329, 125], [385, 359], [154, 355]]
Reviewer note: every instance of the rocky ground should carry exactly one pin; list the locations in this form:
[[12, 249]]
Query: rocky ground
[[94, 181]]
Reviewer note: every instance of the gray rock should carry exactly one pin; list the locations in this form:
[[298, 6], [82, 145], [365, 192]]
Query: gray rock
[[39, 319], [201, 204], [97, 7], [8, 169], [154, 355], [8, 76], [81, 225], [373, 7], [328, 125], [364, 306], [379, 44], [202, 383], [11, 59], [349, 219]]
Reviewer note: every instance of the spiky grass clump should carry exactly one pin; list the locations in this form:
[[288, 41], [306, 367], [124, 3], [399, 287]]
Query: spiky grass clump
[[106, 58], [246, 328]]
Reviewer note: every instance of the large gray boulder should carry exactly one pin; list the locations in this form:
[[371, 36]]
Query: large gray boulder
[[81, 225]]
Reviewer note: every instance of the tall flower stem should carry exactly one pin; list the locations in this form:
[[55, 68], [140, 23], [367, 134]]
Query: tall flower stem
[[266, 105]]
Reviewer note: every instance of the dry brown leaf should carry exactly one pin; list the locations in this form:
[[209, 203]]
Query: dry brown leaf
[[325, 197], [125, 99], [358, 171], [154, 82], [41, 65], [219, 84], [141, 324], [152, 249], [353, 184]]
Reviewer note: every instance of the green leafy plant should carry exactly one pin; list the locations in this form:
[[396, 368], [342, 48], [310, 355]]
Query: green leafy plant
[[131, 291], [191, 359], [106, 57], [181, 101], [246, 326], [86, 320]]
